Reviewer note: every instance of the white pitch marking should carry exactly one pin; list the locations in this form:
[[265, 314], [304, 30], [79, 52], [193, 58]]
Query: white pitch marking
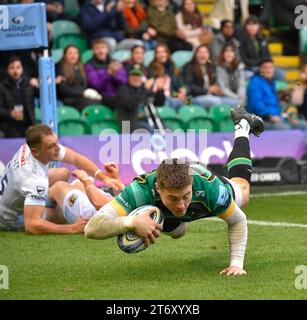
[[268, 223], [279, 194]]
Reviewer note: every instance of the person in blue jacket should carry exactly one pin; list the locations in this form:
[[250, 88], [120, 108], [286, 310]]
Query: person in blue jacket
[[262, 99]]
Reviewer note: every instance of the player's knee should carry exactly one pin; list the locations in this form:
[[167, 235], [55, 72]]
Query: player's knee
[[57, 186]]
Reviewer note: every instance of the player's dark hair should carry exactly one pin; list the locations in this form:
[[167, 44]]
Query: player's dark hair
[[173, 174], [35, 134]]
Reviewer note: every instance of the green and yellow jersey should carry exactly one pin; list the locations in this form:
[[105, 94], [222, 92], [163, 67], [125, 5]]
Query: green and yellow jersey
[[211, 196]]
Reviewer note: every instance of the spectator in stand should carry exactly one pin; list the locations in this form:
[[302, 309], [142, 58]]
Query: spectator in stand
[[190, 23], [55, 11], [29, 60], [16, 101], [137, 61], [103, 74], [233, 10], [137, 25], [254, 48], [230, 75], [200, 77], [165, 78], [162, 21], [263, 100], [105, 19], [71, 80], [225, 35], [130, 97]]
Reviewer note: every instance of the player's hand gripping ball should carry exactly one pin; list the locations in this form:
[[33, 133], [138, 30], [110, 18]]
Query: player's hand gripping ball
[[130, 242]]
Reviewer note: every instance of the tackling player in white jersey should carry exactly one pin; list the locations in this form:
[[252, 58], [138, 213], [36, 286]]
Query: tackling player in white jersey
[[24, 184]]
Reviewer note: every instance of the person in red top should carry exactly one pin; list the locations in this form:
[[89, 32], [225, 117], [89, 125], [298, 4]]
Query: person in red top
[[136, 24]]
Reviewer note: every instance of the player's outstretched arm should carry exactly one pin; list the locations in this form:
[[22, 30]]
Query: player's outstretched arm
[[237, 237], [35, 224], [83, 163], [109, 222]]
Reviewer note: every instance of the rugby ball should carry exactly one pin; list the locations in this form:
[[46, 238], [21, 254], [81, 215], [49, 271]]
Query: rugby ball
[[130, 242]]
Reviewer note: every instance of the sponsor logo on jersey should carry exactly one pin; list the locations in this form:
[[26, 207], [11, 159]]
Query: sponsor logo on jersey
[[36, 197], [40, 189], [23, 155], [72, 199], [223, 196], [200, 193]]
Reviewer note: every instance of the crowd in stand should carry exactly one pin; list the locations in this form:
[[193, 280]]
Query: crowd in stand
[[231, 63]]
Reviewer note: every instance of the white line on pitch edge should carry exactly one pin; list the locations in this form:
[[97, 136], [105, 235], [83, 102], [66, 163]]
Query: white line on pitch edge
[[278, 194], [268, 223]]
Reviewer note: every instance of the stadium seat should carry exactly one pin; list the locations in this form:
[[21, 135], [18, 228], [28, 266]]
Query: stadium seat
[[75, 39], [67, 113], [87, 55], [188, 112], [169, 118], [221, 118], [60, 27], [38, 115], [57, 54], [256, 2], [104, 124], [97, 112], [71, 7], [99, 117], [149, 56], [281, 85], [303, 41], [182, 57], [72, 127], [166, 112], [121, 55], [195, 117]]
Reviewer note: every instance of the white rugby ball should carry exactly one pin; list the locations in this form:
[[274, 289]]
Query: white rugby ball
[[130, 242]]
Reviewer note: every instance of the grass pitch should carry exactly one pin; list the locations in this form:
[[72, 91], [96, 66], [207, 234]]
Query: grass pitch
[[73, 267]]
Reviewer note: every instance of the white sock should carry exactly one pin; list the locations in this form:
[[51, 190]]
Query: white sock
[[242, 129]]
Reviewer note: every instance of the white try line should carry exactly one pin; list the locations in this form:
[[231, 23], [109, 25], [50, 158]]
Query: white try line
[[267, 223], [279, 194]]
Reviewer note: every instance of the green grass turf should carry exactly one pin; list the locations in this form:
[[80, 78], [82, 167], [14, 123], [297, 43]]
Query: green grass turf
[[72, 267]]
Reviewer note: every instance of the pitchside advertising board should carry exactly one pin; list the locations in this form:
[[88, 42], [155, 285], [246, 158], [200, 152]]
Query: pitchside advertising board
[[137, 154], [24, 26]]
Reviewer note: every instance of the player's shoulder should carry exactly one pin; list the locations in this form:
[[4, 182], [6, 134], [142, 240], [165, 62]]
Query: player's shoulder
[[147, 178], [201, 174], [139, 192]]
